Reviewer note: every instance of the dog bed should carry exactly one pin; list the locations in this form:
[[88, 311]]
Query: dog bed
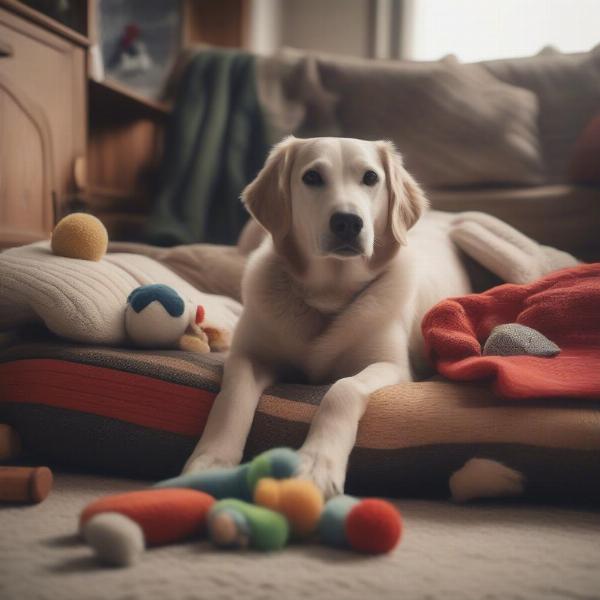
[[139, 413]]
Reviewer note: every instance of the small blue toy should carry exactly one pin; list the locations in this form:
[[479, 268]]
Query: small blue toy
[[239, 482]]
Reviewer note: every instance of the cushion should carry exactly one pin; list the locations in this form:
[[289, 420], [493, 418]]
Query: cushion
[[85, 301], [139, 413], [584, 166], [455, 124], [567, 87]]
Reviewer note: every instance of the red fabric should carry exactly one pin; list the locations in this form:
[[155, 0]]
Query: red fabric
[[564, 306], [107, 392], [165, 516]]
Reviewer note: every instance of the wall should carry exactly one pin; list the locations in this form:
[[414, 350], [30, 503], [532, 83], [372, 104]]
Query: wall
[[338, 26]]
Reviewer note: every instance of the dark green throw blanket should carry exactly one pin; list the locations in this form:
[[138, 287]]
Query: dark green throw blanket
[[216, 142]]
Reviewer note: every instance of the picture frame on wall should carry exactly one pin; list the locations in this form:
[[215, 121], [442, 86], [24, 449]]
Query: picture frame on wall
[[137, 43]]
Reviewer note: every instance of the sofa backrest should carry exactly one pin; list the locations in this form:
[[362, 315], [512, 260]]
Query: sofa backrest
[[567, 87], [507, 122]]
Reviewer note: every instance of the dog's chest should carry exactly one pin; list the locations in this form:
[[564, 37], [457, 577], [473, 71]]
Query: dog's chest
[[329, 303], [295, 320], [332, 288], [300, 333]]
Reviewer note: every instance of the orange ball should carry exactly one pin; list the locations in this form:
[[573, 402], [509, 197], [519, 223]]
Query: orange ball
[[80, 235], [373, 526], [300, 501]]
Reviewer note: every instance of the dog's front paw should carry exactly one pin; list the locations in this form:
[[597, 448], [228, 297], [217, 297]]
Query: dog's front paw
[[327, 474], [206, 462]]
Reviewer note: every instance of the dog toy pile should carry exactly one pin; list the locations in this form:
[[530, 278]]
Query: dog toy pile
[[156, 315], [258, 505]]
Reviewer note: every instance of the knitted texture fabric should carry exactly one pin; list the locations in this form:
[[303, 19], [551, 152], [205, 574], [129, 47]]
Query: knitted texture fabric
[[85, 301], [563, 306]]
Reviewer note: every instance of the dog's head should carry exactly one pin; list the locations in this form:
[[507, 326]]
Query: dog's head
[[335, 198]]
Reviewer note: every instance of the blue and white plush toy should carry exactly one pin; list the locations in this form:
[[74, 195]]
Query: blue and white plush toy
[[156, 316]]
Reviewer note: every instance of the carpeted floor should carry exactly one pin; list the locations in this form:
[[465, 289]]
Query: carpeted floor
[[486, 551]]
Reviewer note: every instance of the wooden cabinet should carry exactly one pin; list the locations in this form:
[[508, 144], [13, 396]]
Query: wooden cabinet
[[67, 141], [42, 125]]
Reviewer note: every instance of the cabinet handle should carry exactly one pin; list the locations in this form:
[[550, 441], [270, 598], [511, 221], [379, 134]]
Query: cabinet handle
[[6, 50]]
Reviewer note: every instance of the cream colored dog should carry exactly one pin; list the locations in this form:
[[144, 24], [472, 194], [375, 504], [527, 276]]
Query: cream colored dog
[[336, 292]]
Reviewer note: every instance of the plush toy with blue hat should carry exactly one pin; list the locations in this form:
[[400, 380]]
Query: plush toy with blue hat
[[156, 316]]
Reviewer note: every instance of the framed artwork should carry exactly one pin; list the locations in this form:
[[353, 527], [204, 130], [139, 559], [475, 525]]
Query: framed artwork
[[139, 41]]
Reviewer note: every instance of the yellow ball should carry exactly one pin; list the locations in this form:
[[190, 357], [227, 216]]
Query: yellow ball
[[80, 236]]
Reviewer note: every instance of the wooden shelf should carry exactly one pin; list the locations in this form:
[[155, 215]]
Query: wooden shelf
[[48, 23], [114, 93]]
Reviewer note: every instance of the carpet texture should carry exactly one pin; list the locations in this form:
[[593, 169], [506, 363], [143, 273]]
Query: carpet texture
[[464, 552]]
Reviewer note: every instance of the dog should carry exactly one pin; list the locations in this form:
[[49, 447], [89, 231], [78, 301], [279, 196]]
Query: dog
[[336, 292]]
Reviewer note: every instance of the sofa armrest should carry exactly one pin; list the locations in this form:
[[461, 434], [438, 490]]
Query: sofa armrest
[[563, 216]]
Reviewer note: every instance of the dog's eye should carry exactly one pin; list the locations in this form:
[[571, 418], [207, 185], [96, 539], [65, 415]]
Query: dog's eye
[[370, 178], [312, 177]]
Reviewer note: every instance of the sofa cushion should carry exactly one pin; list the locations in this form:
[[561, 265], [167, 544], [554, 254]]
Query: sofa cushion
[[455, 124], [567, 87], [140, 412]]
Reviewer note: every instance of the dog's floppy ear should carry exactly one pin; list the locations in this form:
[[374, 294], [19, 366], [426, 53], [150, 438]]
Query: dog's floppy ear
[[406, 198], [267, 198]]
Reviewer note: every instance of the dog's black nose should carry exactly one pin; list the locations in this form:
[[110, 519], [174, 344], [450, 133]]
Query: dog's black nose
[[346, 226]]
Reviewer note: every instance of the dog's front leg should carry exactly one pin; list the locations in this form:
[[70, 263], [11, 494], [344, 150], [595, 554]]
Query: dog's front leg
[[324, 455], [224, 436]]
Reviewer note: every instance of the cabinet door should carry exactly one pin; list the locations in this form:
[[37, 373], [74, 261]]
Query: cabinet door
[[42, 125], [26, 167]]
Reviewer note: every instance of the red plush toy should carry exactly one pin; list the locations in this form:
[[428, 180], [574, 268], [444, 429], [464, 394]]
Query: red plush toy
[[373, 526], [119, 527]]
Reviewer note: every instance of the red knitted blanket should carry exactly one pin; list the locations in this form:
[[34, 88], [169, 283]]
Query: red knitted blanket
[[564, 306]]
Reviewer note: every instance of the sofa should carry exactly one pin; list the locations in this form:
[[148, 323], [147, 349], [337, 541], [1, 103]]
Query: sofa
[[517, 138], [506, 137]]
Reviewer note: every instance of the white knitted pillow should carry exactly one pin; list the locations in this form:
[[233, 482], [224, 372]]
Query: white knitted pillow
[[84, 301]]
